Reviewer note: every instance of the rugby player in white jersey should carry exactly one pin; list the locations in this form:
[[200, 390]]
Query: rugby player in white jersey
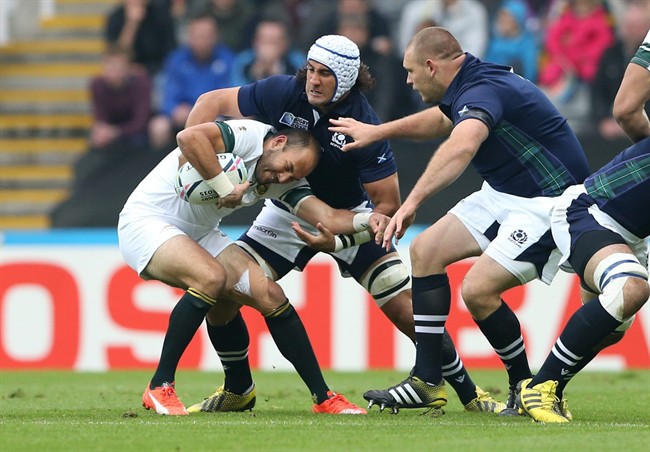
[[166, 238]]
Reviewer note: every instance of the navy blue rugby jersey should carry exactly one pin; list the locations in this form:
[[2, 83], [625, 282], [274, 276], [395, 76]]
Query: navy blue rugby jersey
[[622, 188], [531, 150], [281, 102]]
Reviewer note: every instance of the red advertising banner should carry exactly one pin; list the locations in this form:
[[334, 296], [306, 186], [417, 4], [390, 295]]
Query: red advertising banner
[[80, 307]]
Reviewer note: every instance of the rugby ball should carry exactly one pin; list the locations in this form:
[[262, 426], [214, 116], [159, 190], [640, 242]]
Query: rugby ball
[[191, 187]]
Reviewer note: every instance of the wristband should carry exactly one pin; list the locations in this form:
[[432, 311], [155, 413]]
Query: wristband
[[360, 221], [343, 241], [221, 184]]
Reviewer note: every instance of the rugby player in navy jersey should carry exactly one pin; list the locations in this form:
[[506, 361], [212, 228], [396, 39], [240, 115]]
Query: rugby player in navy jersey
[[329, 86], [527, 156], [601, 227]]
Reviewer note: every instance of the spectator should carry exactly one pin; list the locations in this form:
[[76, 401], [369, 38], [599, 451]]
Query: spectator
[[465, 19], [271, 54], [144, 27], [632, 30], [512, 43], [379, 37], [575, 42], [234, 18], [304, 18], [180, 11], [576, 38], [390, 98], [121, 105], [203, 64]]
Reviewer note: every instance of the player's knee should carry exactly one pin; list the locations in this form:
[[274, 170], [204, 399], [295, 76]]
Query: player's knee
[[471, 293], [623, 285], [421, 254], [211, 282], [276, 294], [386, 279], [636, 293]]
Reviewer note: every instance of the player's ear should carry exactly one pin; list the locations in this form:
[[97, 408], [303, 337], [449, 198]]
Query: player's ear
[[279, 141]]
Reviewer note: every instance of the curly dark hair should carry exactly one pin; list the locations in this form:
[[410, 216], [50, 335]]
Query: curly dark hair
[[365, 80]]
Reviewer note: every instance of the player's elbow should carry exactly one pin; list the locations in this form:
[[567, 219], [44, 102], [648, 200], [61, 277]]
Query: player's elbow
[[186, 139], [624, 111]]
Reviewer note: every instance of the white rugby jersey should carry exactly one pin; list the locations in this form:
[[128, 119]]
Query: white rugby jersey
[[156, 194]]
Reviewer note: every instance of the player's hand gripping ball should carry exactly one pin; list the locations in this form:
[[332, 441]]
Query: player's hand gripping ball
[[191, 187]]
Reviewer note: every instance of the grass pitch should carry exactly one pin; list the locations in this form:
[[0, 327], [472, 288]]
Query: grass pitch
[[101, 411]]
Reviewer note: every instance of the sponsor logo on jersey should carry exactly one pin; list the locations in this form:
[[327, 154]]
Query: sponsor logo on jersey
[[266, 231], [519, 237], [338, 140], [296, 122], [381, 158]]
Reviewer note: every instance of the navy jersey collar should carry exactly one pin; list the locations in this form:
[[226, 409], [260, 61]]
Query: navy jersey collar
[[456, 83]]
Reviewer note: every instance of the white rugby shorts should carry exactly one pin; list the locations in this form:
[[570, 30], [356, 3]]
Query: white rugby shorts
[[140, 235], [272, 228], [512, 230]]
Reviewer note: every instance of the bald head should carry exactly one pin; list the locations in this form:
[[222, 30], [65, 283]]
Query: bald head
[[432, 59], [435, 43]]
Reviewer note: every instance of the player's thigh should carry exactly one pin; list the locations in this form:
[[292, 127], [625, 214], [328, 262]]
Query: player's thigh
[[593, 262], [487, 278], [181, 262], [446, 241]]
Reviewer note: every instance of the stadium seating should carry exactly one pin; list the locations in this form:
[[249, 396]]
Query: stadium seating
[[44, 109]]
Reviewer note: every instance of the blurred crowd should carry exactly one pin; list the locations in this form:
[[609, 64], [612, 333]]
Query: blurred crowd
[[162, 54]]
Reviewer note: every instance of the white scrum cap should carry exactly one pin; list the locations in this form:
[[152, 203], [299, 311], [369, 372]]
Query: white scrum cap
[[341, 56]]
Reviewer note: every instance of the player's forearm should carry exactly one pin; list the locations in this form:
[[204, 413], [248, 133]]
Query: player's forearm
[[450, 160], [630, 101], [338, 221], [199, 146], [209, 106], [424, 125]]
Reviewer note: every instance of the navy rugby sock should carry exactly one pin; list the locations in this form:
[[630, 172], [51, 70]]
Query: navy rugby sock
[[503, 331], [431, 304], [231, 343], [586, 328], [290, 336], [454, 372], [184, 320]]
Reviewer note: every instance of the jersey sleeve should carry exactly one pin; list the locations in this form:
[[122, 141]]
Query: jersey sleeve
[[375, 162], [478, 102], [291, 195], [263, 98], [642, 55], [244, 137]]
